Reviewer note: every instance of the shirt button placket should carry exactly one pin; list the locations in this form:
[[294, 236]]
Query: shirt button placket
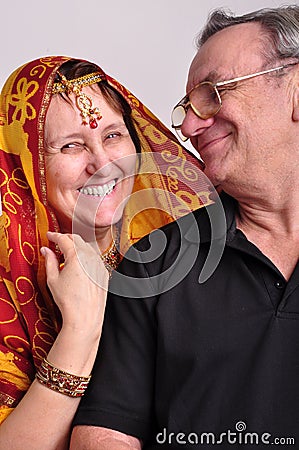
[[279, 284]]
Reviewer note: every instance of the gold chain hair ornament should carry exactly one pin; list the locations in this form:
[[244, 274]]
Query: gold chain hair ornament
[[88, 113]]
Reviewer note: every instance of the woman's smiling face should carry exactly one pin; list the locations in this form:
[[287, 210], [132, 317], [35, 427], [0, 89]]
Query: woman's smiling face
[[89, 169]]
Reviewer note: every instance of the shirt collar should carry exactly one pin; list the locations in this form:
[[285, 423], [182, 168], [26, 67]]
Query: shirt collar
[[215, 221]]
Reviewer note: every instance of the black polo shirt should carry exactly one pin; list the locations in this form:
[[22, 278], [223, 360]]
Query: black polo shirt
[[199, 365]]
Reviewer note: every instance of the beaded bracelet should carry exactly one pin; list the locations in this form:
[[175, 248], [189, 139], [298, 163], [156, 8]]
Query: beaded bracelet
[[60, 381]]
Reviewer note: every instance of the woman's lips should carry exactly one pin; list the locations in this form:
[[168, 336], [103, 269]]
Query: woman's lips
[[99, 190]]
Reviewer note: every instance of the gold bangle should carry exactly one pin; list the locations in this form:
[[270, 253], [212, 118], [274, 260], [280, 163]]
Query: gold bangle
[[60, 381]]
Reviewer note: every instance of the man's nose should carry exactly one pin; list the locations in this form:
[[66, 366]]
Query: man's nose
[[193, 125]]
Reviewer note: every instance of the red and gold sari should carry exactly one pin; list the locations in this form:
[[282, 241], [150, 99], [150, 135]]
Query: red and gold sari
[[29, 319]]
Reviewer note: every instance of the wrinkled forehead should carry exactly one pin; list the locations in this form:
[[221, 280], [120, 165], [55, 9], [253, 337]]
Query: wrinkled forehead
[[233, 51]]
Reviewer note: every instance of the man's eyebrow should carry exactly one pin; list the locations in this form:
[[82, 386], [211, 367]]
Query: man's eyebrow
[[211, 76], [215, 77]]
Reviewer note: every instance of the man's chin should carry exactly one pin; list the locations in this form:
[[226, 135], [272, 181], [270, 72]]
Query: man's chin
[[213, 176]]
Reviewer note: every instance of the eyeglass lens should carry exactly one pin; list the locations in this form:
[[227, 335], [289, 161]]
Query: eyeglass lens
[[204, 101]]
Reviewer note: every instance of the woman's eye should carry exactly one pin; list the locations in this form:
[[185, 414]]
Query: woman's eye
[[72, 148], [117, 135], [113, 135]]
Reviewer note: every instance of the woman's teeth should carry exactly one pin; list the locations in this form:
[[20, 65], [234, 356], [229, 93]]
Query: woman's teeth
[[99, 191]]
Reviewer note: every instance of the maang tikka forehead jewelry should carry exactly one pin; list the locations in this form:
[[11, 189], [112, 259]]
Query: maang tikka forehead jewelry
[[88, 112]]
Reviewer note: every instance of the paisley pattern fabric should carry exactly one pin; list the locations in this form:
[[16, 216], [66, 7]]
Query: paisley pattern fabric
[[170, 178]]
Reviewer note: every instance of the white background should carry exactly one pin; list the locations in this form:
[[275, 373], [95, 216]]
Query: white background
[[147, 45]]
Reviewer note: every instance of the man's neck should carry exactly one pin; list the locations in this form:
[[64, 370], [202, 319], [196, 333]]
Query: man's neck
[[270, 220]]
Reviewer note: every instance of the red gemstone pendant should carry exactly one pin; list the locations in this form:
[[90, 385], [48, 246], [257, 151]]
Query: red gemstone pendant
[[93, 123]]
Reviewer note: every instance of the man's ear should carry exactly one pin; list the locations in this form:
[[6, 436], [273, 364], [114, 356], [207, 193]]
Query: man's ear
[[295, 115]]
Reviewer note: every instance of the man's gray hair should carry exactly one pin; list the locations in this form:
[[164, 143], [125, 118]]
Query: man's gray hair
[[280, 26]]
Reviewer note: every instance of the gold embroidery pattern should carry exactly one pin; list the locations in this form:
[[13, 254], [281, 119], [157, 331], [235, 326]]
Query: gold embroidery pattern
[[16, 343], [40, 69], [183, 179], [10, 197], [22, 292], [11, 313], [9, 367], [24, 245], [23, 109], [27, 331]]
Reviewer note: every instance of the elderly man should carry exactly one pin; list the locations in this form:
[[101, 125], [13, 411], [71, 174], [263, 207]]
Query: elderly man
[[217, 362]]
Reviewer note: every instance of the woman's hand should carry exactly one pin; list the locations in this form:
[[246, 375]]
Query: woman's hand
[[78, 287], [80, 291]]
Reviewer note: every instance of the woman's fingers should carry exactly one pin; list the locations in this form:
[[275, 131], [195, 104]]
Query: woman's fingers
[[81, 260], [64, 241], [51, 263]]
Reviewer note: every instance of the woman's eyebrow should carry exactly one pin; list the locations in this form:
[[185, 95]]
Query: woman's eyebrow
[[61, 138], [118, 125]]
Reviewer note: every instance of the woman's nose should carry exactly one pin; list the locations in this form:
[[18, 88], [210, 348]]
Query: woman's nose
[[193, 125], [99, 162]]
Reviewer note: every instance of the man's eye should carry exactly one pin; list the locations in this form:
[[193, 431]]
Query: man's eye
[[228, 87]]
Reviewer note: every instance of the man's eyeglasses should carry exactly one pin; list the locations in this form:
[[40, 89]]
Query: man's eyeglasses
[[205, 99]]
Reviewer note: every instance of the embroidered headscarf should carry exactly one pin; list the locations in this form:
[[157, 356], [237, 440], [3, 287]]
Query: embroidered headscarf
[[29, 319]]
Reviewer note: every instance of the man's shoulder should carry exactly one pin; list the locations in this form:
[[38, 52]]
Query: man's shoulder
[[173, 229], [202, 224]]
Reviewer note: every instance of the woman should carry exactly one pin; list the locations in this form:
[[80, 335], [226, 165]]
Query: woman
[[69, 135]]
